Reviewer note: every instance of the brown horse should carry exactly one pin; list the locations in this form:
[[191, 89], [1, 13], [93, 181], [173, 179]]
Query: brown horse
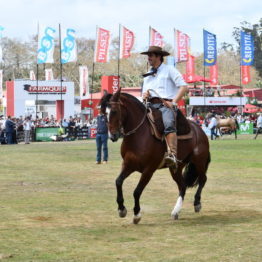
[[142, 152], [228, 124]]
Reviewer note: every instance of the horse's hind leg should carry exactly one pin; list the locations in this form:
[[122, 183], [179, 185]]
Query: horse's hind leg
[[202, 178], [144, 179], [120, 199], [177, 176]]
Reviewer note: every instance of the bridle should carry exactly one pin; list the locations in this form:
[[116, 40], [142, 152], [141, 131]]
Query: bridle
[[120, 124]]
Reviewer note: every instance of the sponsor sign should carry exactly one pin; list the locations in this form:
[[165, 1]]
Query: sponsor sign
[[247, 48], [210, 49], [44, 134], [245, 129], [44, 89], [182, 43], [92, 132], [217, 101], [156, 39], [126, 43], [102, 46]]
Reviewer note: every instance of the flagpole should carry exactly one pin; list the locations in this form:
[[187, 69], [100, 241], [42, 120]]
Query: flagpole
[[204, 88], [36, 99], [240, 82], [61, 72], [118, 58], [37, 70], [93, 73]]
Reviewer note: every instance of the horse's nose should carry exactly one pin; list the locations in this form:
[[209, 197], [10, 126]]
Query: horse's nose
[[114, 137]]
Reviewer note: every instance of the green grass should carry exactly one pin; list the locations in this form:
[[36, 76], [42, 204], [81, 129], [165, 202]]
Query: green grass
[[57, 205]]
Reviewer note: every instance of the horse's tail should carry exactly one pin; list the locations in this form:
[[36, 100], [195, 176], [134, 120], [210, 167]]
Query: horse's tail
[[190, 174], [237, 124]]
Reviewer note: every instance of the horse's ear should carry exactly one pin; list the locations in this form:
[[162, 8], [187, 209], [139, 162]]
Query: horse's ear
[[117, 95]]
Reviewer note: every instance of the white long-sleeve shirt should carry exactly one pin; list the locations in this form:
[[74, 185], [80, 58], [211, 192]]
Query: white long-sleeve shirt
[[165, 82]]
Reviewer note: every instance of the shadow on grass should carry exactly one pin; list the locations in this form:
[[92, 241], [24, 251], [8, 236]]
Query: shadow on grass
[[222, 217]]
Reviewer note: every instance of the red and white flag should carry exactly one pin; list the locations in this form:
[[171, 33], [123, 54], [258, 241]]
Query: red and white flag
[[182, 46], [126, 42], [49, 74], [32, 75], [213, 74], [83, 82], [102, 46], [245, 74], [156, 39], [190, 68]]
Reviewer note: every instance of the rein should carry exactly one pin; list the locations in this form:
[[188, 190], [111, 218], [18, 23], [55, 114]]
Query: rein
[[137, 127]]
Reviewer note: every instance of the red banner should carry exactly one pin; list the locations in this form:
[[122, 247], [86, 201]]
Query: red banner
[[213, 74], [190, 68], [126, 43], [156, 39], [102, 46], [245, 74], [182, 43]]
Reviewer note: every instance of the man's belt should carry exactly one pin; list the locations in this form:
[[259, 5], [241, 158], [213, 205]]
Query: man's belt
[[157, 100]]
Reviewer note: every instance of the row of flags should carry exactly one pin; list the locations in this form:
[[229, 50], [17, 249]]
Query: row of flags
[[68, 48]]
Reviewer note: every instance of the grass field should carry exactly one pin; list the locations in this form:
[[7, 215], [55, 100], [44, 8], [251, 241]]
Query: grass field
[[57, 205]]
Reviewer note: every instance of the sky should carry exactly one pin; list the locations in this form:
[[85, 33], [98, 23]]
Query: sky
[[20, 18]]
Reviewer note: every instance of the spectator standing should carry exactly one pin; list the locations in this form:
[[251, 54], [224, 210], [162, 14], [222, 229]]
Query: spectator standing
[[212, 126], [102, 137], [27, 129], [9, 129], [259, 125]]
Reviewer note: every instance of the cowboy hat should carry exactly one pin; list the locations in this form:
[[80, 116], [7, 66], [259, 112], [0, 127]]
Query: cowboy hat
[[155, 50]]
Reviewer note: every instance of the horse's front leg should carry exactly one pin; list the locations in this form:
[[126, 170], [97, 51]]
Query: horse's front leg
[[119, 183], [144, 179], [179, 179]]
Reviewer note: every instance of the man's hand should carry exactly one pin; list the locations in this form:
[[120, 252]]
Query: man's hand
[[171, 104], [146, 95]]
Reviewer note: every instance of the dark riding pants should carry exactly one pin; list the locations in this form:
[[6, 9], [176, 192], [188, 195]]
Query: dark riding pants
[[168, 118]]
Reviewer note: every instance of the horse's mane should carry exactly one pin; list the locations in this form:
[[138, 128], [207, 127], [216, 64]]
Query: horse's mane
[[104, 102], [134, 99]]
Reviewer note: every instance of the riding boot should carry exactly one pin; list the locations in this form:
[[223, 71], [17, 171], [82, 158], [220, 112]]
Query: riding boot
[[171, 158]]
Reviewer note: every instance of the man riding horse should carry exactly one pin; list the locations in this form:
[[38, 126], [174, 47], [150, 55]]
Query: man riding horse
[[164, 82]]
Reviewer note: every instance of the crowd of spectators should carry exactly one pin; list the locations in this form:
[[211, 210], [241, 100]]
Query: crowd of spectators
[[241, 118], [11, 128]]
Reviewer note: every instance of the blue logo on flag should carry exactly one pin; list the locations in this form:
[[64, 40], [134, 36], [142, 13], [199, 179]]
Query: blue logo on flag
[[46, 43], [247, 48], [68, 46], [210, 49]]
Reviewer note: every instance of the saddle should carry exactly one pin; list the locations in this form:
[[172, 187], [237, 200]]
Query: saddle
[[157, 127]]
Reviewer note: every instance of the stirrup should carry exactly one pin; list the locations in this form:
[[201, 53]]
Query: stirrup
[[171, 160]]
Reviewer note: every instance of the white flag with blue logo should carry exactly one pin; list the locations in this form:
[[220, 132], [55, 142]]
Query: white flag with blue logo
[[68, 46], [46, 45]]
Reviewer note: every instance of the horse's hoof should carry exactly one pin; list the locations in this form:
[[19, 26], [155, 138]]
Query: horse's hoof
[[122, 213], [197, 208], [175, 216], [137, 218]]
